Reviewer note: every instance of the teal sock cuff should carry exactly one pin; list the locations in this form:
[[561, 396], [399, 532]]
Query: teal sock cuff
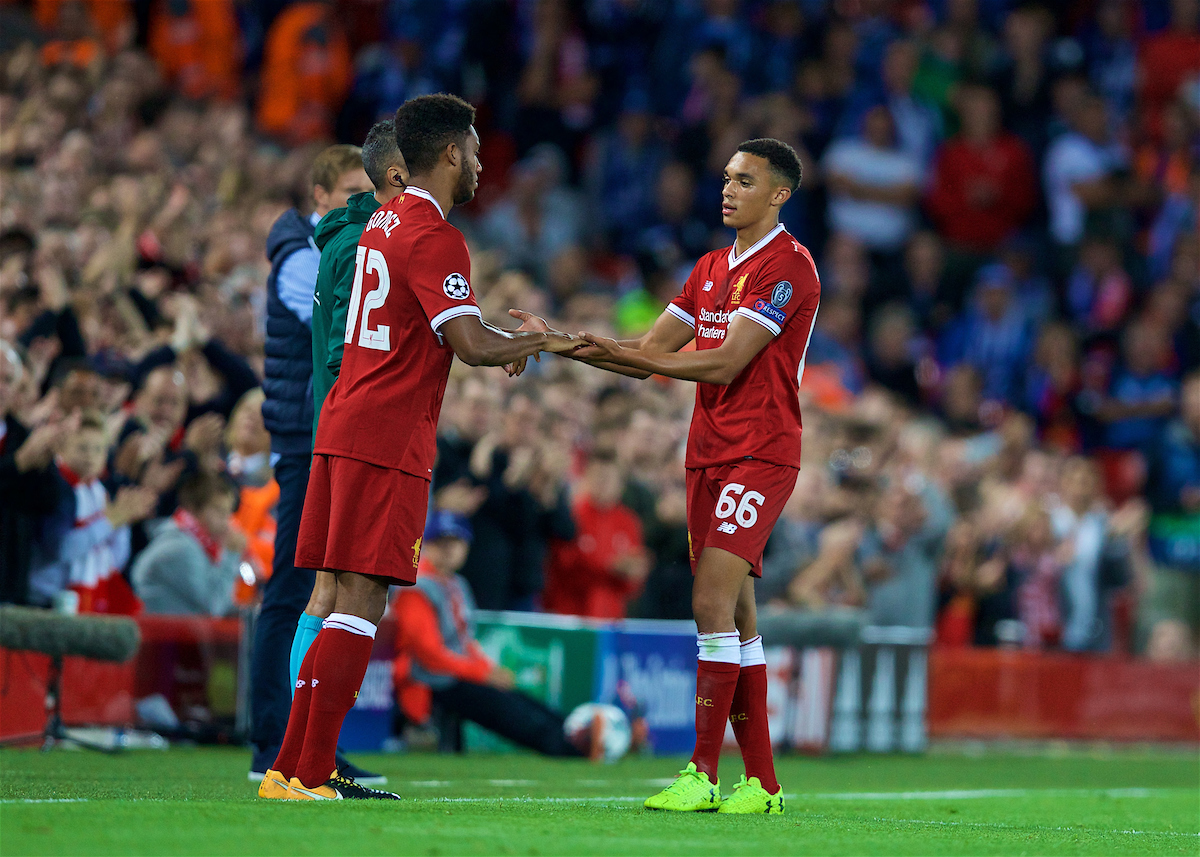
[[306, 631]]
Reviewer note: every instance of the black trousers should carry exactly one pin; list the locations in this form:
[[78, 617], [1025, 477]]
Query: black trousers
[[284, 599], [509, 713]]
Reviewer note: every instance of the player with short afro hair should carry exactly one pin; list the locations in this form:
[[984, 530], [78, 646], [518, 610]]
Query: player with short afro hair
[[368, 490], [426, 125], [784, 161]]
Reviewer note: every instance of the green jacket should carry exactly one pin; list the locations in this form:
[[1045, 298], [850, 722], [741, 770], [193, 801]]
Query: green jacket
[[337, 238]]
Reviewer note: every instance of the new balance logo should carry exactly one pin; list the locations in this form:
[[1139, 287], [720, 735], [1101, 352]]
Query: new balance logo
[[708, 285], [727, 528], [299, 683], [316, 682]]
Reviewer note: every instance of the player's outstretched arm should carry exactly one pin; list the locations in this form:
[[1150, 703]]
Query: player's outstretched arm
[[668, 335], [477, 344], [721, 365]]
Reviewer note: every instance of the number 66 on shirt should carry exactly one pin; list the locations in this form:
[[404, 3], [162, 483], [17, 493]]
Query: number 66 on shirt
[[726, 502], [744, 512]]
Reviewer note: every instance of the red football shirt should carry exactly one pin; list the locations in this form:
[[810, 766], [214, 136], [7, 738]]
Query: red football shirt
[[411, 276], [775, 284]]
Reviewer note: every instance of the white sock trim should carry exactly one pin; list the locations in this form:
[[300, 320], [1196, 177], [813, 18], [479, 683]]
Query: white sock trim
[[752, 652], [351, 623], [719, 648]]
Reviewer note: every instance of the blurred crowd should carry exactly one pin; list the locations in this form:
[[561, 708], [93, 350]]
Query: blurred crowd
[[1001, 395]]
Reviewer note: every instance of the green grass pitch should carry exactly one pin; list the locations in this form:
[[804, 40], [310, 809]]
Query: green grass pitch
[[197, 801]]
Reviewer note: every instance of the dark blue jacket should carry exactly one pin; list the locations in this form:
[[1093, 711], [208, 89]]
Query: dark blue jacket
[[288, 409]]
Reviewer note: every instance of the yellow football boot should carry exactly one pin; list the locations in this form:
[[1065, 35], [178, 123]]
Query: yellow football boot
[[692, 791], [336, 787], [750, 798], [274, 786]]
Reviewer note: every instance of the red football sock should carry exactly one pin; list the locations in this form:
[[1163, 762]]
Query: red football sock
[[749, 717], [715, 683], [338, 672], [293, 738]]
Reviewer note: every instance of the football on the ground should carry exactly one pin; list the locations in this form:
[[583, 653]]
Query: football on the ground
[[596, 721]]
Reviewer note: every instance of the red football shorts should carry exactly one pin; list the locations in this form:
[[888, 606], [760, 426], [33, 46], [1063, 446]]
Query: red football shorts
[[734, 507], [362, 518]]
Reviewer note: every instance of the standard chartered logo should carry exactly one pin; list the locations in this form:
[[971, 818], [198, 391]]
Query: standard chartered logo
[[714, 318]]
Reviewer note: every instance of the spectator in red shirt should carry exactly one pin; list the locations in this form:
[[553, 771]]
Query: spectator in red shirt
[[1166, 59], [603, 568], [984, 185]]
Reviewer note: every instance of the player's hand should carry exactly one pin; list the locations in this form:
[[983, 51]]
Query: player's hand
[[530, 322], [560, 343], [596, 348]]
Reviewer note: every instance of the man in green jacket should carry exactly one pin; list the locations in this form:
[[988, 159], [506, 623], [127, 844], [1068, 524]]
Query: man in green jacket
[[337, 238]]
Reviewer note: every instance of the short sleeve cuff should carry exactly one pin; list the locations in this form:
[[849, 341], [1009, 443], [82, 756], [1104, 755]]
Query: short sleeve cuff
[[454, 312], [759, 318], [682, 315]]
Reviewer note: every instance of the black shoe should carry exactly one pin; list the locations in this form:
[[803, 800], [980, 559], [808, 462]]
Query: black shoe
[[339, 787], [365, 778]]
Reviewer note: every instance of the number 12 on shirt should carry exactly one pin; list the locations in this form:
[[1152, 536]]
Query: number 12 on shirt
[[369, 261]]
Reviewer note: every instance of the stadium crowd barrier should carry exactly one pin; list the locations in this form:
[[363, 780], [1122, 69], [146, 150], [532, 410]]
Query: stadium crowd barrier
[[1014, 693], [890, 693], [198, 665]]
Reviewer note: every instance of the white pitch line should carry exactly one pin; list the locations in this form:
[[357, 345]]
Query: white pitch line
[[638, 799], [523, 799], [946, 794], [839, 795], [975, 794]]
